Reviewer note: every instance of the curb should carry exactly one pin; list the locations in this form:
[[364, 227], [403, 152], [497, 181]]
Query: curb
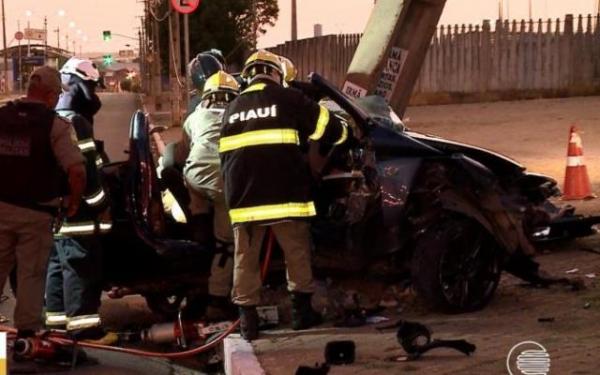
[[239, 357]]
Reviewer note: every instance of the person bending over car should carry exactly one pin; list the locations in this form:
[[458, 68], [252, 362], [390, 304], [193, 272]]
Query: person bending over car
[[267, 181]]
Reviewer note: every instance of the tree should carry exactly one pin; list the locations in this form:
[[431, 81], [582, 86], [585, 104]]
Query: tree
[[232, 26]]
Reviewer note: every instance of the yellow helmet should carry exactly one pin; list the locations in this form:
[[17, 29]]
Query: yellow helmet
[[289, 69], [260, 62], [220, 82]]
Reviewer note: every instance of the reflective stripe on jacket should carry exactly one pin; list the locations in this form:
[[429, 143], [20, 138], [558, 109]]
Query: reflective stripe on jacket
[[264, 139]]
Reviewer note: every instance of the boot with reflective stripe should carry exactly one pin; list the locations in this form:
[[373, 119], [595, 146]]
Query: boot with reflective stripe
[[56, 320], [303, 315], [249, 322]]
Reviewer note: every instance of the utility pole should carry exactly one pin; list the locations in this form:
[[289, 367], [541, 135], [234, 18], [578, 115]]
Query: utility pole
[[67, 42], [294, 20], [530, 10], [156, 63], [5, 51], [57, 31], [500, 10], [141, 58], [20, 73], [175, 67], [186, 41], [28, 40], [45, 40]]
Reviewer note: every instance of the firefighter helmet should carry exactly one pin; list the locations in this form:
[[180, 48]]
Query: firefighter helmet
[[201, 67], [220, 82], [217, 54], [82, 68], [289, 69], [262, 63]]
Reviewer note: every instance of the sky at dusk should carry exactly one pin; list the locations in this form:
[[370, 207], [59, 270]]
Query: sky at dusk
[[346, 16]]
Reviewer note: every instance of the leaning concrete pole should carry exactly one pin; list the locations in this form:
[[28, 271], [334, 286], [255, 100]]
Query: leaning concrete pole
[[391, 52]]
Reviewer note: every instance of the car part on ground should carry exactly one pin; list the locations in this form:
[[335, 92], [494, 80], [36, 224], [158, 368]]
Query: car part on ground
[[415, 339]]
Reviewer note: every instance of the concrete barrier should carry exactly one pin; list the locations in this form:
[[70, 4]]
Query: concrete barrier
[[239, 358]]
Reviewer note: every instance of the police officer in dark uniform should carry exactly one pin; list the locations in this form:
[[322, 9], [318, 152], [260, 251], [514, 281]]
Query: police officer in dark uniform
[[74, 286], [36, 149], [267, 183]]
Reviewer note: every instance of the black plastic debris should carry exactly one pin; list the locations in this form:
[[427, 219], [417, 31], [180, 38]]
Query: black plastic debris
[[415, 339], [317, 370], [340, 352]]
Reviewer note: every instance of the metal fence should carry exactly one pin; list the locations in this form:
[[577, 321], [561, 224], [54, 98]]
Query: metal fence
[[511, 56]]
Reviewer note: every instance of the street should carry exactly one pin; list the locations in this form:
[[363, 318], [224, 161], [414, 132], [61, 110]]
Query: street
[[112, 126]]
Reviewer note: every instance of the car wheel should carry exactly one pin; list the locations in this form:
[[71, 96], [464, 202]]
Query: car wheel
[[456, 265]]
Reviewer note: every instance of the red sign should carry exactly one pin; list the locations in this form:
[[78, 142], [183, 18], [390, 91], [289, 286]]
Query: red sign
[[19, 35], [185, 6]]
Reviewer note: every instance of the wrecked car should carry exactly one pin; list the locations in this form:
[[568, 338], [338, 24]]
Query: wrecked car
[[397, 204]]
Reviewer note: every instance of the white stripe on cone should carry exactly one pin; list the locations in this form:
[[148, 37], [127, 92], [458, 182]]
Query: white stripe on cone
[[575, 161]]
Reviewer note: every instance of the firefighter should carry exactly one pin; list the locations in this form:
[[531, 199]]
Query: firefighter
[[172, 162], [210, 221], [204, 65], [35, 144], [73, 286], [267, 183]]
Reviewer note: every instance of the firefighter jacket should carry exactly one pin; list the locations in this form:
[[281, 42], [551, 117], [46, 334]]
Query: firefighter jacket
[[81, 97], [264, 139], [201, 133], [26, 155], [92, 216]]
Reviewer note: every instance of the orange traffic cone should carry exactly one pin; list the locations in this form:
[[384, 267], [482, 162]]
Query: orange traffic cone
[[577, 183]]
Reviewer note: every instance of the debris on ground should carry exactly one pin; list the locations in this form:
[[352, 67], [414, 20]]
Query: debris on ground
[[341, 352], [415, 339], [317, 370], [546, 320], [572, 271]]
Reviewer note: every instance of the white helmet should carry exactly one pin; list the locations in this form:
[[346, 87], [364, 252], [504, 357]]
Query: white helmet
[[82, 68]]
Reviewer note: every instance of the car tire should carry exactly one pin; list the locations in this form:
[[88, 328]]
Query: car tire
[[456, 265]]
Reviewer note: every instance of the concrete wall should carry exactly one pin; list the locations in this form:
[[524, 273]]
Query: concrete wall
[[505, 59]]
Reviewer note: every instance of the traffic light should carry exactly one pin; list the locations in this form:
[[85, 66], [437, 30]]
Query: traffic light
[[108, 59], [106, 35]]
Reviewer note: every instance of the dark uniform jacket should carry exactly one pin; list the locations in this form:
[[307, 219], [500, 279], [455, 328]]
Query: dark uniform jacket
[[264, 138], [26, 156]]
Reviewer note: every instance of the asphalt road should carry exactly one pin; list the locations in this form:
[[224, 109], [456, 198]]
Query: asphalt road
[[112, 126]]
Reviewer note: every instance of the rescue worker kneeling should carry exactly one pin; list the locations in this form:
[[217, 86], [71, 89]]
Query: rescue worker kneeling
[[264, 139], [202, 172], [74, 281]]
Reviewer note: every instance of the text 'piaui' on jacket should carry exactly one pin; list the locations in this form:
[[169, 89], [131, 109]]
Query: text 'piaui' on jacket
[[264, 138]]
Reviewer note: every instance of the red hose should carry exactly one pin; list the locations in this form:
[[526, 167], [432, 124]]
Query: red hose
[[143, 353]]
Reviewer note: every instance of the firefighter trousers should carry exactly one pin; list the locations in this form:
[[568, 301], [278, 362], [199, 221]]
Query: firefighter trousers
[[294, 238], [74, 283], [221, 271]]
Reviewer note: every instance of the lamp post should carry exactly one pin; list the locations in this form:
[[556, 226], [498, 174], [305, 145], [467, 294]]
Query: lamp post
[[5, 51]]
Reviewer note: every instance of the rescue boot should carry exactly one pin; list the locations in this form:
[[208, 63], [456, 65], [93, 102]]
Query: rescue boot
[[303, 315], [201, 229], [249, 322]]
